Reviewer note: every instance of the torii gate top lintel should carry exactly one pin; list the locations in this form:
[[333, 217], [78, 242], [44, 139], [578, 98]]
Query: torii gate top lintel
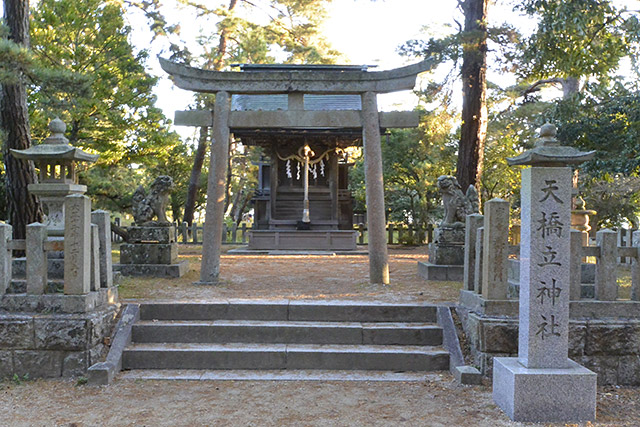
[[303, 80]]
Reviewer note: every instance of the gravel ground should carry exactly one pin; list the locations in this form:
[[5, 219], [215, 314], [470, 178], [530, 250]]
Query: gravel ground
[[438, 401]]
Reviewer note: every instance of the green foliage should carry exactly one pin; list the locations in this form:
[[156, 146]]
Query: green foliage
[[18, 380], [90, 76], [14, 59], [615, 198], [413, 159], [576, 38], [257, 31], [609, 123]]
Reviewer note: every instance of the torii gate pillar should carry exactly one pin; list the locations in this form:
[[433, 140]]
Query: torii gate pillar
[[212, 233], [378, 256]]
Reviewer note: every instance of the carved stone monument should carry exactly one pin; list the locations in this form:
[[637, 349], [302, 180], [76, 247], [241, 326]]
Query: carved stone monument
[[446, 253], [151, 248], [542, 384]]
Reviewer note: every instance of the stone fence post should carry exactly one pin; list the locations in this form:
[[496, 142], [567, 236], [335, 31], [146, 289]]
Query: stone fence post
[[635, 268], [606, 266], [95, 258], [185, 234], [101, 219], [496, 249], [575, 265], [479, 249], [77, 243], [5, 258], [472, 223], [36, 258]]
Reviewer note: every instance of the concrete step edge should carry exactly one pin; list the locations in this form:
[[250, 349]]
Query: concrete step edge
[[278, 375], [288, 323], [256, 348]]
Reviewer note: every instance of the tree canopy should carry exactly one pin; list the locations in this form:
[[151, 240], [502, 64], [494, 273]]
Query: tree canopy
[[93, 79]]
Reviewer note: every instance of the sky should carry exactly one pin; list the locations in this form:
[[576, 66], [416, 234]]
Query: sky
[[366, 32]]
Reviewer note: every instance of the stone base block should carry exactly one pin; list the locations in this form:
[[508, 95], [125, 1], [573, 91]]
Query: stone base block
[[153, 270], [148, 253], [440, 254], [59, 303], [49, 345], [467, 375], [544, 395], [427, 271], [151, 234]]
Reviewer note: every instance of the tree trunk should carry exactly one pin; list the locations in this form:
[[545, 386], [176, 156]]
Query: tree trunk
[[243, 207], [194, 180], [23, 208], [474, 93], [198, 161], [570, 87], [237, 202]]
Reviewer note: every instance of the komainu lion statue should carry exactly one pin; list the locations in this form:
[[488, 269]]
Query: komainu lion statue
[[457, 205], [147, 206]]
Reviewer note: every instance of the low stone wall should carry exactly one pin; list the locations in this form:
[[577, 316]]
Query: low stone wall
[[608, 346], [44, 344]]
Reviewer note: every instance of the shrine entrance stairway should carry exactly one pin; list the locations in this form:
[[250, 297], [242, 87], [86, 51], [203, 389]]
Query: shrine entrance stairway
[[287, 339]]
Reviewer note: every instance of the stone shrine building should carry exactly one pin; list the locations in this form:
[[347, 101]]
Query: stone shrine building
[[279, 200]]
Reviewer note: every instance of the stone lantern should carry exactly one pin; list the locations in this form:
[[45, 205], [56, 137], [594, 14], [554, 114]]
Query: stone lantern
[[56, 160]]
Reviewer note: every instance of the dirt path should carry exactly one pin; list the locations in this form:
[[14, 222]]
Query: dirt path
[[294, 277], [437, 402]]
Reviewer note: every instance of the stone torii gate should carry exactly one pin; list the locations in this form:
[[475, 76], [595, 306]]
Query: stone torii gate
[[296, 81]]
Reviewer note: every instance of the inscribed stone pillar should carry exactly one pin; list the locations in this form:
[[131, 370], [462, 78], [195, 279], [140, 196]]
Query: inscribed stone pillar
[[496, 249], [36, 259], [544, 267], [102, 220], [473, 222], [542, 383], [378, 259], [95, 258], [77, 244], [212, 233], [5, 257]]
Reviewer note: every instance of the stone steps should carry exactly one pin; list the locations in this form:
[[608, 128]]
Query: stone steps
[[283, 356], [285, 335], [293, 310], [287, 332]]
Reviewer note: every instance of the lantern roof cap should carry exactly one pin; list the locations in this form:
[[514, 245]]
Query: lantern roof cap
[[55, 147]]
